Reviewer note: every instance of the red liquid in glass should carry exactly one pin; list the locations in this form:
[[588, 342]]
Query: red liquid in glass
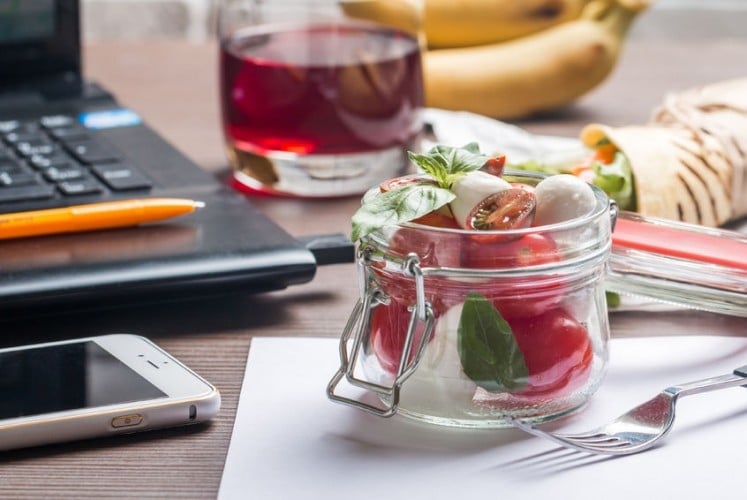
[[322, 89]]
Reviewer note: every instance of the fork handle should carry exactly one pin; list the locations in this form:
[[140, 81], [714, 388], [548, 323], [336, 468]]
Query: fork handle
[[737, 377]]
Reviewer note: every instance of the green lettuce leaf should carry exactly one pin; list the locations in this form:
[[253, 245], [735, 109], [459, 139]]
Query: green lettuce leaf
[[616, 179]]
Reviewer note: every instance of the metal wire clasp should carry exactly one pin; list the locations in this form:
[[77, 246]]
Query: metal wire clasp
[[358, 328]]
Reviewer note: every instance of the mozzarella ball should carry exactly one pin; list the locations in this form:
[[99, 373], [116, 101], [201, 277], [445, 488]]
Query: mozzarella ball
[[439, 386], [562, 197]]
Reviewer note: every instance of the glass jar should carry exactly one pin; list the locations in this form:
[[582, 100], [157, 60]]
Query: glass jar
[[464, 328]]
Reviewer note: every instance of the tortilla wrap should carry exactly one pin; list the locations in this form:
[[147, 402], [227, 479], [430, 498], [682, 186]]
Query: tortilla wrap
[[689, 163]]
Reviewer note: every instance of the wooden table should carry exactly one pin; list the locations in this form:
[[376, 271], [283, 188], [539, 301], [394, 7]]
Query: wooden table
[[173, 86]]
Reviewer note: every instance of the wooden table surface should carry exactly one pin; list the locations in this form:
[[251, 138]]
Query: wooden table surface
[[173, 86]]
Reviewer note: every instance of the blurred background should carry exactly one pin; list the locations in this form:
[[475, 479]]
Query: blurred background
[[193, 19]]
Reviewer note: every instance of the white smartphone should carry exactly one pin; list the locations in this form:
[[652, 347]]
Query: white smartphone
[[94, 387]]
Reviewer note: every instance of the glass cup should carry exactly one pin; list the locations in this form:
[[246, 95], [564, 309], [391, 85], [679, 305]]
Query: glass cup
[[463, 328], [320, 98]]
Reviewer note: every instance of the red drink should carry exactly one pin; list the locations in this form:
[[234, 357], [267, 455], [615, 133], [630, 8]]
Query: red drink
[[330, 89]]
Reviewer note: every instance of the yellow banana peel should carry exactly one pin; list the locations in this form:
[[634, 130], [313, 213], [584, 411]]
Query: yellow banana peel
[[464, 23], [405, 15], [535, 73]]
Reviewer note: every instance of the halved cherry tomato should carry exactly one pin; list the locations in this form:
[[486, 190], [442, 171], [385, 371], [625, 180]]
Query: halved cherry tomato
[[495, 165], [509, 209], [517, 297], [403, 181], [557, 352]]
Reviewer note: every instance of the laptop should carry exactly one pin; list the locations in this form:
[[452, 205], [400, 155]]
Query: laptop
[[65, 141]]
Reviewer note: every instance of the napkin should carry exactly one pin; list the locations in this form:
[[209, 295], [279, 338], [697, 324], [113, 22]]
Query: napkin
[[457, 128], [290, 441]]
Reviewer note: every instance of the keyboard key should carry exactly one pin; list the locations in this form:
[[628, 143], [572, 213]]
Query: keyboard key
[[7, 126], [54, 174], [8, 161], [55, 121], [121, 176], [15, 137], [18, 178], [67, 134], [16, 126], [56, 160], [35, 147], [80, 187], [23, 193], [10, 167], [91, 152]]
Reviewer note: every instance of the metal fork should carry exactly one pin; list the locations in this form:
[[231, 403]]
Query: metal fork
[[640, 428]]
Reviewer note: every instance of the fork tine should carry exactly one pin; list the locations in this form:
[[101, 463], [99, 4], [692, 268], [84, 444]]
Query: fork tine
[[600, 439], [607, 442], [611, 447], [587, 436], [619, 447]]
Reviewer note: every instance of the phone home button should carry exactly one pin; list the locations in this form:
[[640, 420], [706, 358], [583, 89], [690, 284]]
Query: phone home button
[[127, 420]]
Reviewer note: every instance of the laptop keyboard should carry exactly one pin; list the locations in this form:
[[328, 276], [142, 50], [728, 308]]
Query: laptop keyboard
[[56, 157]]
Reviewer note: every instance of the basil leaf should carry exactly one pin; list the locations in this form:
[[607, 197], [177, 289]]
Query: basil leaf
[[433, 165], [487, 348], [464, 159], [397, 206], [446, 163]]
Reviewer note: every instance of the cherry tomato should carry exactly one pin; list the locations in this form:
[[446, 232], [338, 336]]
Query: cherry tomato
[[404, 181], [518, 297], [434, 248], [509, 209], [528, 250], [557, 352], [495, 165], [389, 325]]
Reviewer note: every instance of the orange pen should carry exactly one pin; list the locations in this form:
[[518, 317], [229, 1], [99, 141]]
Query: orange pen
[[105, 215]]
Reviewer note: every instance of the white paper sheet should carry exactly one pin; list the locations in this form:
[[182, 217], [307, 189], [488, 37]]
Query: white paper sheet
[[290, 442]]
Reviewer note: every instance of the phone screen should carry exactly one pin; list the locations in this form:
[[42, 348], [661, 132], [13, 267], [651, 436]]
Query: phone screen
[[67, 377]]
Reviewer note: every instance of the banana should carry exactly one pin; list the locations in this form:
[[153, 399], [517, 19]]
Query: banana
[[404, 15], [536, 73], [463, 23]]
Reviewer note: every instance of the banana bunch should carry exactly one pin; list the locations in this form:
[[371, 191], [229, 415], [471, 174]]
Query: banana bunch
[[465, 23], [510, 59]]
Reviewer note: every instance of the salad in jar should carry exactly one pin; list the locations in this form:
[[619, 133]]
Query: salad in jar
[[483, 294]]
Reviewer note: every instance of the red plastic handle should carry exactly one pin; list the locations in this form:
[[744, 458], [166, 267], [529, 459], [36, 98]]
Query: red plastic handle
[[680, 242]]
